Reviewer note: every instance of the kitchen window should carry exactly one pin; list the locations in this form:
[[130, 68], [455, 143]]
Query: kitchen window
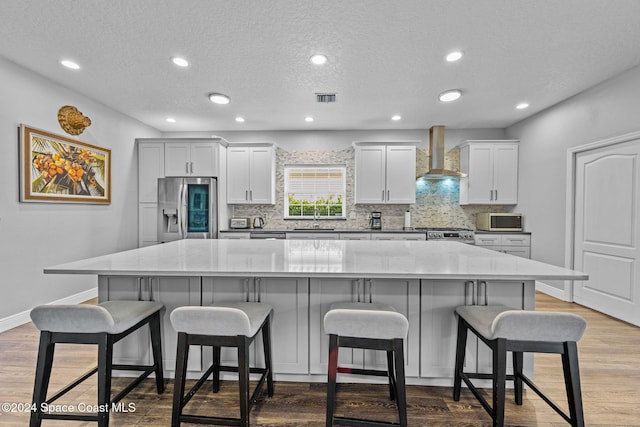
[[315, 191]]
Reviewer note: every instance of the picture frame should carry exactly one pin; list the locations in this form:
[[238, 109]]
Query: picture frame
[[58, 169]]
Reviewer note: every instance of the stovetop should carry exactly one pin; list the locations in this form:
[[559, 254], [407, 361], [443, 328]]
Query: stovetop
[[449, 233]]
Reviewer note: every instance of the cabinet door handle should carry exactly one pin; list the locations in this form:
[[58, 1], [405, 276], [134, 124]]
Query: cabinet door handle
[[258, 286], [490, 194], [191, 167], [496, 194], [482, 292], [469, 294], [186, 167], [383, 195], [246, 289], [388, 197], [151, 289], [246, 195], [139, 288], [250, 195], [371, 290]]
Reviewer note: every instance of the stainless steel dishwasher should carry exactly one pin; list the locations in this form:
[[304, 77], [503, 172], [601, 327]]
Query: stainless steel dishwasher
[[269, 235]]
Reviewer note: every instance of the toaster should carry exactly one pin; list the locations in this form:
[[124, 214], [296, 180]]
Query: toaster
[[239, 223]]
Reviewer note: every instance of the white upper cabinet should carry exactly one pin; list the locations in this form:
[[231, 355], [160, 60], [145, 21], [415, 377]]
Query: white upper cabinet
[[150, 168], [492, 169], [191, 159], [385, 174], [251, 175]]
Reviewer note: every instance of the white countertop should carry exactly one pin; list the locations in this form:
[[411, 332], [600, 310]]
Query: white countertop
[[319, 258]]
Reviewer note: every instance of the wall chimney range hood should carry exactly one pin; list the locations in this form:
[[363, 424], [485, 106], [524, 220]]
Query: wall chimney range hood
[[436, 169]]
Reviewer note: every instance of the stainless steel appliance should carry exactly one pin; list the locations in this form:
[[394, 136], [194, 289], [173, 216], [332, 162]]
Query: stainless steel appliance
[[258, 222], [499, 221], [187, 208], [463, 235], [238, 223], [375, 221], [268, 235]]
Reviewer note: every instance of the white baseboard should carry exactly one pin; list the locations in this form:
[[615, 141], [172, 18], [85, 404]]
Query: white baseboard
[[551, 290], [18, 319]]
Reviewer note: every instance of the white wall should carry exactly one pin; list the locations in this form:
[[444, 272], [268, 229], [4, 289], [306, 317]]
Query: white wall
[[36, 235], [609, 109]]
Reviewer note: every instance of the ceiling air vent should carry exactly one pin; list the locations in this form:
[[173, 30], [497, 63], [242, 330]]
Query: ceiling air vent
[[325, 97]]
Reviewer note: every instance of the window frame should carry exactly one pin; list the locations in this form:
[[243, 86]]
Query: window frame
[[310, 209]]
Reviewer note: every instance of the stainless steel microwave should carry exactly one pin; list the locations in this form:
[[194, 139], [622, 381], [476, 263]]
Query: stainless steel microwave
[[499, 221]]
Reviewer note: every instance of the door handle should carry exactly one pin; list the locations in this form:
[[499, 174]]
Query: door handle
[[383, 195], [482, 292], [191, 167], [250, 195], [258, 286], [496, 194], [186, 167], [246, 289], [246, 195], [469, 293], [388, 195], [140, 288]]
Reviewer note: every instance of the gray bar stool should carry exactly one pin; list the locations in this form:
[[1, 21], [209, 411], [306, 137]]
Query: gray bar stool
[[520, 331], [221, 325], [368, 326], [103, 324]]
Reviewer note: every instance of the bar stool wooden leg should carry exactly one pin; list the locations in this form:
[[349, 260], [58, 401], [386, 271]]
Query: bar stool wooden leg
[[518, 360], [461, 349], [499, 377], [243, 379], [392, 378], [331, 379], [180, 378], [266, 346], [216, 369], [105, 353], [156, 348], [571, 372], [401, 397], [43, 374]]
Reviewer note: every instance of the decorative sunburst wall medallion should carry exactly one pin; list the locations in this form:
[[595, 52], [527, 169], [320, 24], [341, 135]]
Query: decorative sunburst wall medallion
[[72, 121]]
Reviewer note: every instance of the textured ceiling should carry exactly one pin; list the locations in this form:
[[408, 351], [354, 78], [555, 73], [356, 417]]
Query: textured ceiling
[[385, 57]]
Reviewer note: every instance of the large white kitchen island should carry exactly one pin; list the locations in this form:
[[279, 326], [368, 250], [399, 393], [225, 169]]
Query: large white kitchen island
[[425, 280]]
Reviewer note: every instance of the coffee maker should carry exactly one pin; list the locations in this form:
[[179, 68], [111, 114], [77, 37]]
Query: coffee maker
[[375, 221]]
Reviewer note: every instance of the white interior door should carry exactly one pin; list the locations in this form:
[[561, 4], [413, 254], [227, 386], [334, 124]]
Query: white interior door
[[606, 242]]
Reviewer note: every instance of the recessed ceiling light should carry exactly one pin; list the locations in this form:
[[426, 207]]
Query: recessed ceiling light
[[308, 119], [318, 59], [180, 62], [450, 95], [170, 120], [396, 118], [522, 106], [219, 98], [240, 119], [70, 64], [454, 56]]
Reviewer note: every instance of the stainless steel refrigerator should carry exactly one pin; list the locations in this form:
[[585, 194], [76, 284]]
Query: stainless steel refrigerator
[[187, 208]]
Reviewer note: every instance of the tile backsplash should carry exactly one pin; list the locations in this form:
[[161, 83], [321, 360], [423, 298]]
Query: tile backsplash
[[436, 200]]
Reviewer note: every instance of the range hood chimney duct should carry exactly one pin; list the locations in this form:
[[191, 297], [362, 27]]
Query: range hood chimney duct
[[436, 155]]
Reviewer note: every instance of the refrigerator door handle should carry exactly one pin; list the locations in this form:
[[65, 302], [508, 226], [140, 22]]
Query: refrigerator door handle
[[182, 209]]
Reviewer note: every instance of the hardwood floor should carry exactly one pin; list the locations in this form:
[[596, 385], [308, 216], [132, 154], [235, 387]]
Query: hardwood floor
[[609, 363]]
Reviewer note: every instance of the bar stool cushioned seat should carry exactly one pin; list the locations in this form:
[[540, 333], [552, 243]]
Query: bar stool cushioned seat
[[368, 326], [103, 324], [505, 329], [233, 324]]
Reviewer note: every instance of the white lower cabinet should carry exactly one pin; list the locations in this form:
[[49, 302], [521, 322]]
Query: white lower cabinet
[[313, 236], [173, 292], [289, 298], [518, 244], [402, 294], [439, 322], [398, 236]]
